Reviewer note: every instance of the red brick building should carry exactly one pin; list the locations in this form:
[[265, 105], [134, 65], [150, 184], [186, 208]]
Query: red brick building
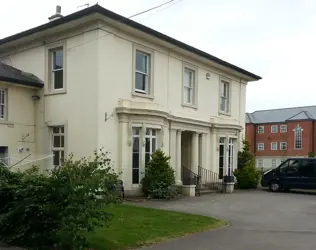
[[277, 134]]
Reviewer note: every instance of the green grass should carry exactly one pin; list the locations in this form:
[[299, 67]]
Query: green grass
[[134, 226]]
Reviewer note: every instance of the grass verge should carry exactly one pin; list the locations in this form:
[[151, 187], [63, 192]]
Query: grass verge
[[134, 226]]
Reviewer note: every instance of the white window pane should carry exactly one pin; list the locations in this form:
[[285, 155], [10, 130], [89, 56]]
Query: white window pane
[[187, 95], [58, 78], [187, 78], [140, 81], [58, 57], [223, 104], [141, 62]]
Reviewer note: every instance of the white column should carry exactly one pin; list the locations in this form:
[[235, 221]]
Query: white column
[[178, 168], [204, 151], [173, 149], [195, 152], [214, 152]]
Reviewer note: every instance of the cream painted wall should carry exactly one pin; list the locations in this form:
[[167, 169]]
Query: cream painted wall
[[99, 72], [20, 122]]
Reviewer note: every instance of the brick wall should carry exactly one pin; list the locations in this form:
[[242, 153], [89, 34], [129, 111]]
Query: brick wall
[[308, 138]]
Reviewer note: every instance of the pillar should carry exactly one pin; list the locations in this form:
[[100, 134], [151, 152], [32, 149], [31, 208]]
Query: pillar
[[204, 151], [195, 153], [178, 168], [172, 149]]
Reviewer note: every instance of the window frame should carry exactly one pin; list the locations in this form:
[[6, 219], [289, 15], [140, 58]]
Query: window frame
[[295, 137], [275, 127], [149, 92], [283, 143], [49, 88], [282, 130], [273, 163], [258, 129], [221, 143], [151, 137], [60, 148], [194, 96], [258, 146], [276, 146], [260, 161], [222, 82], [4, 104]]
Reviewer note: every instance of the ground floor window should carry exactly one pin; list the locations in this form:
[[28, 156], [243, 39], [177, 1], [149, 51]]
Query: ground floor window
[[260, 163], [142, 156], [274, 163], [221, 157], [231, 158], [58, 145], [4, 160]]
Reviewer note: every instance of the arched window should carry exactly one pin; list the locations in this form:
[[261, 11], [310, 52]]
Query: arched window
[[298, 144]]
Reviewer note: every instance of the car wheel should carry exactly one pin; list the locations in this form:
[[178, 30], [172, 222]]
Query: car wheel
[[274, 187]]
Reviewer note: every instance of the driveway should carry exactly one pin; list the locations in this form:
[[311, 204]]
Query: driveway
[[259, 220]]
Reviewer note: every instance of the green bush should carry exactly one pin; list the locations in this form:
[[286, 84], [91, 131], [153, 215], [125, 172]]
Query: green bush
[[159, 177], [244, 156], [248, 177], [56, 210]]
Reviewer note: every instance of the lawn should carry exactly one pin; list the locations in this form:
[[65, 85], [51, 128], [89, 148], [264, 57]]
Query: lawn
[[134, 226]]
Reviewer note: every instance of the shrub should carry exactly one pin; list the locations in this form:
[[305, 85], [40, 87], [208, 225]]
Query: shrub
[[56, 210], [159, 177], [244, 156], [248, 177]]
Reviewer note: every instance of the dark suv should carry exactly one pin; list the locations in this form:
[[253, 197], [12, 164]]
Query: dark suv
[[297, 173]]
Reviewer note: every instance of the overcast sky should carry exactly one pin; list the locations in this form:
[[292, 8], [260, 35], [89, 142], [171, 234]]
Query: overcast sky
[[275, 39]]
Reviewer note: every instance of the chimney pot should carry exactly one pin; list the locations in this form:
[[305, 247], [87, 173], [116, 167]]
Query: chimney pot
[[57, 15]]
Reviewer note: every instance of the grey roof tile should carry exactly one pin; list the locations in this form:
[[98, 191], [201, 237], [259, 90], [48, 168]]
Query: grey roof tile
[[281, 115], [16, 76]]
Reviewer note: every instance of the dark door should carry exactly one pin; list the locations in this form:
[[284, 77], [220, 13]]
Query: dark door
[[289, 174], [307, 174]]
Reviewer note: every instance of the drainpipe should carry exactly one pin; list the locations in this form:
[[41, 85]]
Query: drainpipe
[[313, 137]]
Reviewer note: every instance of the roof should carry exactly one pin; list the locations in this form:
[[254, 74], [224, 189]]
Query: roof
[[14, 75], [282, 115], [109, 14]]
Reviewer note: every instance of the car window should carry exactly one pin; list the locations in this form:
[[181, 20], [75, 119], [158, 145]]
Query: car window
[[308, 168], [292, 168]]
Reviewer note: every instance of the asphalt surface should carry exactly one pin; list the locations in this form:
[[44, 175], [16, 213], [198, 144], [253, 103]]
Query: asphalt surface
[[258, 220]]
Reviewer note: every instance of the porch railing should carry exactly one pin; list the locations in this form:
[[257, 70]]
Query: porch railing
[[209, 179]]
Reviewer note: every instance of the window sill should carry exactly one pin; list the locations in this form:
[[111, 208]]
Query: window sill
[[4, 122], [55, 92], [193, 106], [136, 94], [224, 113]]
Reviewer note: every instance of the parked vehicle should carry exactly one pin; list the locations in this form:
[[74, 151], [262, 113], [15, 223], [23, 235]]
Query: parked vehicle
[[299, 173]]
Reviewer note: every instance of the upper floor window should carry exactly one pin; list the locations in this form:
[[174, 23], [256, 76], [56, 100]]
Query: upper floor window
[[142, 72], [3, 104], [260, 146], [298, 144], [274, 146], [283, 128], [189, 86], [57, 68], [260, 130], [274, 128], [224, 96]]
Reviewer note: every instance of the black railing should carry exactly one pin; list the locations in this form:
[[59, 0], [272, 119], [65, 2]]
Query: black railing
[[191, 178], [209, 179]]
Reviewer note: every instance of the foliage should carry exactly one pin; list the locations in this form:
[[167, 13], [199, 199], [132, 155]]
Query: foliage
[[245, 156], [246, 173], [56, 210], [311, 154], [159, 177], [248, 177]]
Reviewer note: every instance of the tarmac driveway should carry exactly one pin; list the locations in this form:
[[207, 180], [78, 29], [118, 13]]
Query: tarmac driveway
[[258, 220]]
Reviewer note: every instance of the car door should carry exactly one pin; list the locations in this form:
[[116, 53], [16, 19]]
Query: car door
[[290, 174], [307, 174]]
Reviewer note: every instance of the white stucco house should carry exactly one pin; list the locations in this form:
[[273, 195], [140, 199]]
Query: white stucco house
[[103, 80]]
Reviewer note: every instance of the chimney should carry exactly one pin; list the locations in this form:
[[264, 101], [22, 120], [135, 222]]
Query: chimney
[[57, 15]]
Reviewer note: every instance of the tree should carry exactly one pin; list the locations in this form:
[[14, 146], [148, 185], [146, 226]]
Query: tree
[[245, 157], [159, 177], [246, 173], [311, 154]]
